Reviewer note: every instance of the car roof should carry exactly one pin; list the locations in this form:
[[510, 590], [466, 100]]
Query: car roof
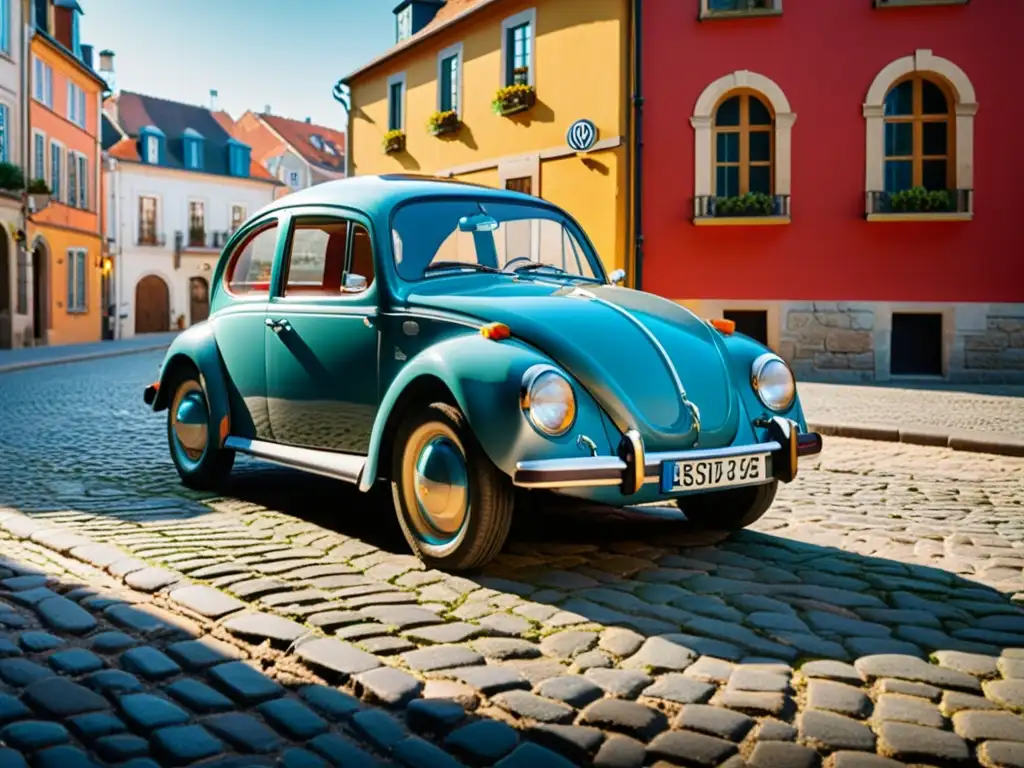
[[378, 194]]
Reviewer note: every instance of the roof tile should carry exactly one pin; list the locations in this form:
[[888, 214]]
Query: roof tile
[[300, 136]]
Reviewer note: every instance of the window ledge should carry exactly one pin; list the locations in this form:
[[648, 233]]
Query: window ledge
[[877, 217], [752, 13], [908, 3], [740, 221]]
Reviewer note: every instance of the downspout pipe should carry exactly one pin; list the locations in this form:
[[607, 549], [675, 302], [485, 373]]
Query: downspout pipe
[[638, 145], [343, 95]]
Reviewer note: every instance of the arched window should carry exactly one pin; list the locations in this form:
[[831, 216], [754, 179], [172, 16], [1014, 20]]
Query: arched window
[[744, 132], [920, 148]]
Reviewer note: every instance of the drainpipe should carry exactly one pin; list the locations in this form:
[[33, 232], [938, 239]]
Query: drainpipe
[[343, 95], [118, 227], [638, 145]]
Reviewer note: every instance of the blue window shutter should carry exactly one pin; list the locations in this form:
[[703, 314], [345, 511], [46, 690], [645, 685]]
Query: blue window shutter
[[72, 269], [5, 26], [245, 162]]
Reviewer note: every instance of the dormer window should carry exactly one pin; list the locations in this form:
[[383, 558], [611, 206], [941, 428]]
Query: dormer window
[[151, 141], [404, 21], [329, 148], [193, 144], [317, 142], [239, 158]]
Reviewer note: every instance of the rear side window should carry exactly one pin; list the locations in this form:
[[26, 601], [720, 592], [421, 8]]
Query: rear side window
[[251, 264]]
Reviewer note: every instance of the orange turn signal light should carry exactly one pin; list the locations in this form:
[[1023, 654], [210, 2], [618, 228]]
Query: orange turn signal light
[[495, 331], [156, 385], [728, 327]]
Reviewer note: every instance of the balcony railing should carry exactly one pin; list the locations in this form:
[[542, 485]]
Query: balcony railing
[[741, 207], [201, 239], [937, 203], [710, 9], [151, 238]]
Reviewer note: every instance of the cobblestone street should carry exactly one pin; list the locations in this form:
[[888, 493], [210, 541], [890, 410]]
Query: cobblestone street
[[874, 617]]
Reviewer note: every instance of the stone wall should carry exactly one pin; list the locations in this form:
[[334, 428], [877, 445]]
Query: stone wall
[[829, 339], [999, 348]]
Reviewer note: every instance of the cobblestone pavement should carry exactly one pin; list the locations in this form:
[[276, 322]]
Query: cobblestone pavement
[[872, 618], [998, 410]]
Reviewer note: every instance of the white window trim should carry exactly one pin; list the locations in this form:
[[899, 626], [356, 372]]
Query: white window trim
[[703, 126], [231, 210], [82, 305], [158, 224], [965, 107], [46, 157], [406, 14], [207, 230], [9, 136], [397, 78], [708, 13], [63, 196], [447, 53], [83, 183], [152, 143], [529, 15], [288, 172]]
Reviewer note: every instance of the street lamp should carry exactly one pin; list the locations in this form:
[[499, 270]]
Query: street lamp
[[343, 95]]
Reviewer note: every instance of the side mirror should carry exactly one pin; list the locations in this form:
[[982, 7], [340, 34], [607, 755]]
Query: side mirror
[[354, 283], [616, 277]]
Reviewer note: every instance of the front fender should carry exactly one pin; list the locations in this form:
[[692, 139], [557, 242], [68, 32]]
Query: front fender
[[485, 377], [197, 346], [743, 351]]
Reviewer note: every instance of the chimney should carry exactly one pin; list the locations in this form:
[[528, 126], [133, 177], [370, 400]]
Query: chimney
[[266, 110], [309, 121], [213, 99], [86, 55], [106, 70]]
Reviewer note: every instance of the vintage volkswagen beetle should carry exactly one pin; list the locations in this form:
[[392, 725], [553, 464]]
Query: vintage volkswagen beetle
[[463, 343]]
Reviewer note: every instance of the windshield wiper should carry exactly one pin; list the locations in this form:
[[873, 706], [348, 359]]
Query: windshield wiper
[[461, 264]]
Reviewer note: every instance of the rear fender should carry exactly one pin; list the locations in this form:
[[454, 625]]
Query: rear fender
[[483, 377], [197, 347]]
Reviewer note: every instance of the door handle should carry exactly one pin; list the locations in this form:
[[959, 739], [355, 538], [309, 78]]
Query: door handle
[[277, 325]]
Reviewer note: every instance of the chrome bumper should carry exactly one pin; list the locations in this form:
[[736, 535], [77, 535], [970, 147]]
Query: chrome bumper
[[633, 468]]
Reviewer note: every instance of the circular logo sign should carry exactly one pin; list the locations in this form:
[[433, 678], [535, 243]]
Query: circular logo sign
[[581, 136]]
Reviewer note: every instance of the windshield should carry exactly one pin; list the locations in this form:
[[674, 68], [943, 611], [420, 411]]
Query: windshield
[[444, 237]]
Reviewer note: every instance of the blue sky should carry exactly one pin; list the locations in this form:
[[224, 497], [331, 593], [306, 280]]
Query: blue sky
[[285, 53]]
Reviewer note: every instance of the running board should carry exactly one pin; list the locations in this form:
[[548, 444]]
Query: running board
[[340, 466]]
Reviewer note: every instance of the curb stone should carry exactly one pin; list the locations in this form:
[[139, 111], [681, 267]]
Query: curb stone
[[957, 440], [82, 358]]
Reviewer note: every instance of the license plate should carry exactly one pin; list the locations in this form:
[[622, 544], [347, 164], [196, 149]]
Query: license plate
[[703, 474]]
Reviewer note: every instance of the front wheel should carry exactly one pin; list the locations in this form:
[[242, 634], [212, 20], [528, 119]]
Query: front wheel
[[728, 510], [201, 462], [453, 504]]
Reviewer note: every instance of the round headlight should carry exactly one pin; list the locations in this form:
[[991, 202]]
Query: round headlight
[[549, 401], [773, 381]]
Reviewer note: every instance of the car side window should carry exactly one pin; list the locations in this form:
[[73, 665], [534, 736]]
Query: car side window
[[359, 275], [316, 257], [251, 263]]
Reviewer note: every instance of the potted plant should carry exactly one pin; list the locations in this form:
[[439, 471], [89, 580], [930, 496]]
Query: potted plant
[[514, 98], [920, 200], [11, 178], [441, 123], [394, 141], [748, 204], [38, 194]]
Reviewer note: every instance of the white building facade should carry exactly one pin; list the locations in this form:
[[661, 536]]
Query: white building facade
[[167, 227]]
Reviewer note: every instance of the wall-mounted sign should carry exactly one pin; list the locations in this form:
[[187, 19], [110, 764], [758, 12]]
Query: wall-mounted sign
[[581, 136]]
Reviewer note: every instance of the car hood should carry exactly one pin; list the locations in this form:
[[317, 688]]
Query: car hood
[[608, 338]]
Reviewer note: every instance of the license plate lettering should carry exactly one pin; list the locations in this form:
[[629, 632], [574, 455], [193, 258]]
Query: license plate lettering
[[714, 473]]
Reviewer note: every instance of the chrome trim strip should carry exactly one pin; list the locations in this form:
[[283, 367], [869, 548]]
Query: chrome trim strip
[[339, 466], [428, 314]]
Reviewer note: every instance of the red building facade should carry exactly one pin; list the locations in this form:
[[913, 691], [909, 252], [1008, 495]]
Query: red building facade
[[839, 178]]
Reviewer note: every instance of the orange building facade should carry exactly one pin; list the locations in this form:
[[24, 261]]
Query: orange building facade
[[66, 237]]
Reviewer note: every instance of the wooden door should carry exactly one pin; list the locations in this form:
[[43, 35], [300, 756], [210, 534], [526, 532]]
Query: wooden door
[[152, 305], [199, 299]]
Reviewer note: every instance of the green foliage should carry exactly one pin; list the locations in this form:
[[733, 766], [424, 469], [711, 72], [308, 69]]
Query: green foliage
[[513, 97], [11, 177], [38, 187], [749, 204], [920, 200]]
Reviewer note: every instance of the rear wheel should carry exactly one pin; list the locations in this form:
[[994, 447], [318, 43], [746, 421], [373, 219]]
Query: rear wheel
[[453, 504], [728, 510], [201, 463]]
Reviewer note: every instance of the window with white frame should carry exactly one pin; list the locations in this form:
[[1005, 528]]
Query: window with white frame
[[152, 150], [294, 179], [404, 24], [38, 155], [518, 56], [78, 268], [725, 9], [238, 214], [56, 171], [83, 182], [5, 26], [396, 102], [42, 82], [449, 69], [72, 178], [5, 136], [76, 105]]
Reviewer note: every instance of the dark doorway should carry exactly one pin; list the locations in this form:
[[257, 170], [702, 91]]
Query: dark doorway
[[916, 348], [6, 316], [40, 295], [752, 322], [152, 305], [199, 299], [523, 184]]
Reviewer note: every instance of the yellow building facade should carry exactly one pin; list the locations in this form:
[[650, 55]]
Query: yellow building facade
[[571, 59]]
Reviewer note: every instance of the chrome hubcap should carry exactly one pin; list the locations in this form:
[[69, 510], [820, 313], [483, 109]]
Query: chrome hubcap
[[441, 489], [190, 419]]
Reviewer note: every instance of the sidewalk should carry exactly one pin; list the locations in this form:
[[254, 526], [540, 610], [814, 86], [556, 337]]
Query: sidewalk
[[32, 357]]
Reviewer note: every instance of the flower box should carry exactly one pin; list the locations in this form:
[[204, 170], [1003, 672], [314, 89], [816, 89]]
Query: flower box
[[394, 142], [513, 99], [442, 123]]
